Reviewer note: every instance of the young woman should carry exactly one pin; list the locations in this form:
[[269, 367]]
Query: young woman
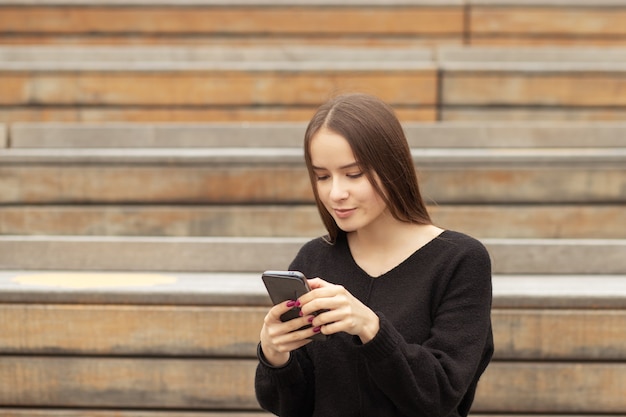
[[408, 304]]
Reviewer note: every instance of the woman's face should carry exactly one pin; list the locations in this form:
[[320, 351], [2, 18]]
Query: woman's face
[[342, 186]]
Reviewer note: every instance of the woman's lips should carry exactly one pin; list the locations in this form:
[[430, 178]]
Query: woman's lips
[[343, 213]]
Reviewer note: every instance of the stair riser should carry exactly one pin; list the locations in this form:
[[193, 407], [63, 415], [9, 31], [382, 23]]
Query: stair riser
[[210, 88], [561, 221], [169, 330], [208, 20], [228, 384], [204, 184]]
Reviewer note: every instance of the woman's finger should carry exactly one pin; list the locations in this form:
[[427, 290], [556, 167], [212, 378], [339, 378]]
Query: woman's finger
[[317, 283], [281, 308]]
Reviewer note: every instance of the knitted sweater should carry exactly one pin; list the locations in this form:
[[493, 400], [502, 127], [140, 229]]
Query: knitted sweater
[[435, 338]]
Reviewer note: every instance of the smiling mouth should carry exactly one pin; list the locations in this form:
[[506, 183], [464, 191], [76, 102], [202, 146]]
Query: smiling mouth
[[343, 213]]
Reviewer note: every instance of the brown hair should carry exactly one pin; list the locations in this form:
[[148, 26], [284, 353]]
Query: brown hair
[[379, 145]]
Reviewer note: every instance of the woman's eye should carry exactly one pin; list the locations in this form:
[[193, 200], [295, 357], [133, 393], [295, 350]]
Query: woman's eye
[[321, 177], [355, 175]]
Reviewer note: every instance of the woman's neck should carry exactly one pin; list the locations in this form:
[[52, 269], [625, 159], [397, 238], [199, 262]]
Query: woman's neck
[[380, 249]]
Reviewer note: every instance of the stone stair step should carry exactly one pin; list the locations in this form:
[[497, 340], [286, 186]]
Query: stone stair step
[[553, 22], [540, 80], [212, 79], [543, 291], [223, 290], [501, 22], [533, 60], [99, 83], [253, 254], [179, 220], [120, 58], [290, 135], [134, 330], [523, 113], [226, 384], [506, 221], [115, 324], [191, 114], [259, 22], [271, 175], [567, 388]]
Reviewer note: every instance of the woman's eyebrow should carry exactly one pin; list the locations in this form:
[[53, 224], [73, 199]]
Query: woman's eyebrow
[[352, 165]]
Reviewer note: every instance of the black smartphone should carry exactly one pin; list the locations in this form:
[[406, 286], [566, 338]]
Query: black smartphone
[[288, 285]]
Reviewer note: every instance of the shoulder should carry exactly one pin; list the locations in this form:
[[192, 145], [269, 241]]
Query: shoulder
[[462, 252], [465, 265], [317, 245], [457, 242], [318, 254], [313, 251]]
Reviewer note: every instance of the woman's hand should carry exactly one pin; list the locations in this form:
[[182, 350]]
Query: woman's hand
[[279, 338], [346, 313]]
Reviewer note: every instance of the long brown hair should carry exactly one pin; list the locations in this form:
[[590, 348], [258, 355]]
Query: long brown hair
[[379, 145]]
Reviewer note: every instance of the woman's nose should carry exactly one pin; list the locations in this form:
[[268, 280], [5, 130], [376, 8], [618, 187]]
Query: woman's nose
[[338, 191]]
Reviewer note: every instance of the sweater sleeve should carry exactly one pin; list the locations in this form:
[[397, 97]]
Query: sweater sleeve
[[286, 391], [440, 374]]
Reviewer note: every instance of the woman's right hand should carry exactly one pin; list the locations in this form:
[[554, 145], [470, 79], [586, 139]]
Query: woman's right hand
[[279, 338]]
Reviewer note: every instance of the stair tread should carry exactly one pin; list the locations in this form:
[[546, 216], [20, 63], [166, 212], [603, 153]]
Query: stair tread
[[424, 157], [214, 288], [250, 254], [290, 134], [218, 58]]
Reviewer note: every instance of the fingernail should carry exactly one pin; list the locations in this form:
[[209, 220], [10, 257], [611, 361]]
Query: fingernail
[[317, 329], [291, 303], [297, 303], [311, 318], [300, 313]]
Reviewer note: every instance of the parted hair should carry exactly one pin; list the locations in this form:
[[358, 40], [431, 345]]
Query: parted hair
[[379, 144]]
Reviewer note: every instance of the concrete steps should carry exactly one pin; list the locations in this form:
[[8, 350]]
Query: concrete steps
[[570, 221], [531, 180], [131, 242], [364, 23], [135, 383], [217, 289], [253, 176], [239, 254], [150, 238], [216, 83], [552, 22], [460, 134], [313, 22], [168, 341], [286, 83], [550, 83], [266, 175]]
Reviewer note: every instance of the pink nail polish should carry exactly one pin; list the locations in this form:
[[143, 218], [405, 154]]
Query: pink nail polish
[[310, 319], [317, 329], [291, 303], [300, 313]]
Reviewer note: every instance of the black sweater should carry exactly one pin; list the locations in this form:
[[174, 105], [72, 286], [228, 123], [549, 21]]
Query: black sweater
[[434, 342]]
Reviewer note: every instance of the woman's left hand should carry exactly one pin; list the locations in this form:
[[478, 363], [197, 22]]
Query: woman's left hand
[[345, 312]]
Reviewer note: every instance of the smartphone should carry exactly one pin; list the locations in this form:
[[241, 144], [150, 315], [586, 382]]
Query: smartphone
[[288, 285]]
